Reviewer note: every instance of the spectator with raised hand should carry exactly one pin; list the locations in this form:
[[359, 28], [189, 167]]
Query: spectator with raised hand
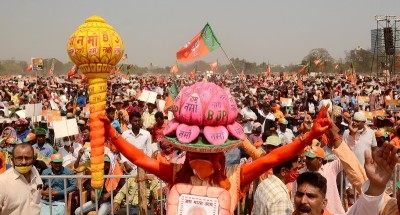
[[310, 197]]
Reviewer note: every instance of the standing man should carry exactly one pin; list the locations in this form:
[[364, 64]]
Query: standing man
[[362, 138], [148, 117], [248, 116], [138, 137], [20, 186], [272, 195]]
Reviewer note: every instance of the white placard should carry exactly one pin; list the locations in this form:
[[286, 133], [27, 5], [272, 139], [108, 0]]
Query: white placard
[[161, 105], [170, 115], [6, 111], [53, 105], [33, 110], [65, 128], [20, 84], [190, 204], [148, 96], [21, 113]]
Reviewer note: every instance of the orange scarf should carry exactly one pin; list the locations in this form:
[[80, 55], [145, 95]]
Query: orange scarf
[[3, 163]]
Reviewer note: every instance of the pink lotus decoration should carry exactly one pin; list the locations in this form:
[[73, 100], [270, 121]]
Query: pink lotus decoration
[[204, 108]]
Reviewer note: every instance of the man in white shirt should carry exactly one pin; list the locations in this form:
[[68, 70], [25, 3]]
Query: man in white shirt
[[20, 186], [69, 151], [359, 137], [248, 116], [285, 134], [138, 137]]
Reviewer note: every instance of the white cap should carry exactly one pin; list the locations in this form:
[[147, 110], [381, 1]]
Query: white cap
[[360, 116]]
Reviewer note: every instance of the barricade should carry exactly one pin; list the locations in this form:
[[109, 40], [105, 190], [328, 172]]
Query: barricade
[[79, 178], [161, 202]]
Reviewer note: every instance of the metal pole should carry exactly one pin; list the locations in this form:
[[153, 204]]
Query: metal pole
[[112, 198], [51, 208], [65, 196], [341, 185], [80, 196], [161, 198], [96, 200], [127, 197]]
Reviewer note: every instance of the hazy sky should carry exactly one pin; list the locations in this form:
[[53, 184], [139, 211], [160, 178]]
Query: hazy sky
[[281, 32]]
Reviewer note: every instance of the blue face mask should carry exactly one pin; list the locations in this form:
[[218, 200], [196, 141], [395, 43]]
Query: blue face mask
[[10, 149]]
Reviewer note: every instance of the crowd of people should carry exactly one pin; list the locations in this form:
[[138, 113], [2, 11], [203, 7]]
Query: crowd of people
[[273, 110]]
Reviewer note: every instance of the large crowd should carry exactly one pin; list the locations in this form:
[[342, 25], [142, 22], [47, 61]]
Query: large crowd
[[273, 110]]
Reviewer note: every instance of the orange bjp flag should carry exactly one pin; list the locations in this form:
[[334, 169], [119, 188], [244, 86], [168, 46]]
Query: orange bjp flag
[[268, 70], [174, 69], [214, 66], [30, 68], [168, 103], [203, 43]]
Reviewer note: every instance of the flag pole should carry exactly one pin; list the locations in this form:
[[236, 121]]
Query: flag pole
[[229, 59], [237, 72]]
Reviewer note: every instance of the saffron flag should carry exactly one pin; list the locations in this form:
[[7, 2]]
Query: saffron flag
[[300, 83], [193, 73], [214, 66], [317, 61], [337, 67], [203, 43], [29, 68], [72, 72], [51, 72], [268, 70], [174, 69], [303, 70]]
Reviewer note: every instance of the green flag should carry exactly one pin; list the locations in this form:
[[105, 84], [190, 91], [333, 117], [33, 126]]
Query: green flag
[[173, 90]]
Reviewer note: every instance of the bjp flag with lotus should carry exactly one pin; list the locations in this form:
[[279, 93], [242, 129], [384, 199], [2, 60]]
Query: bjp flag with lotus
[[203, 43]]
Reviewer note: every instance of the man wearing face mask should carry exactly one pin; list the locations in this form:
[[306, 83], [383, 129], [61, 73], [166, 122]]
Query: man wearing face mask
[[69, 151], [363, 138], [20, 186], [272, 195]]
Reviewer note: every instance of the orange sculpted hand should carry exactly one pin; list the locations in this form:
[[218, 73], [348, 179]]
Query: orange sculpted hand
[[109, 130], [321, 123]]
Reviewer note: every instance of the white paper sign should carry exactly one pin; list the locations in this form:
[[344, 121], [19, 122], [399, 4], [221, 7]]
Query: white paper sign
[[190, 204], [53, 105], [33, 110], [6, 111], [65, 128], [20, 84], [160, 105], [148, 96], [21, 113]]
